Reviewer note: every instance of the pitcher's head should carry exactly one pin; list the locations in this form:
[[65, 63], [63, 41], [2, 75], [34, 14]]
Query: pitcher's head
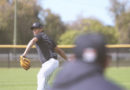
[[37, 28]]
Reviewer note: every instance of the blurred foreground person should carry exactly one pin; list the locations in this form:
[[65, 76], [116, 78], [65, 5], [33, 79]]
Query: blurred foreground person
[[87, 71]]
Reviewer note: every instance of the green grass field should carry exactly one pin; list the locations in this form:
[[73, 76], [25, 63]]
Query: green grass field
[[19, 79], [120, 75]]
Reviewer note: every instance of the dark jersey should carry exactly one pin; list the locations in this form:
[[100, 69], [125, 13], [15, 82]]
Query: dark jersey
[[82, 76], [45, 47]]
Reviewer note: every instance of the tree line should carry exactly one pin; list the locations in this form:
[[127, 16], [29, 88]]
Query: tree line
[[28, 12]]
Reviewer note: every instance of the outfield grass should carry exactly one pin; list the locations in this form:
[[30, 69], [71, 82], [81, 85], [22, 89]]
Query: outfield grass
[[120, 75], [19, 79]]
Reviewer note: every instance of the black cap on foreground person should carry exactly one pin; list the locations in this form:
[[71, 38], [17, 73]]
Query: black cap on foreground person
[[91, 49], [87, 71]]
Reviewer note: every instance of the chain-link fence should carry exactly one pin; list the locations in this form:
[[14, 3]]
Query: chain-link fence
[[9, 57]]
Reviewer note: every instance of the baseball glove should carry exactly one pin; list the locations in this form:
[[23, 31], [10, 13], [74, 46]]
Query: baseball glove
[[25, 62]]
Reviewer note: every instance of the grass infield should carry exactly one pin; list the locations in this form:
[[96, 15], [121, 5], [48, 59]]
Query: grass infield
[[19, 79]]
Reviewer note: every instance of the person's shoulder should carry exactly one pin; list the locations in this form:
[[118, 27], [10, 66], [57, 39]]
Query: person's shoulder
[[42, 35], [39, 34], [99, 82]]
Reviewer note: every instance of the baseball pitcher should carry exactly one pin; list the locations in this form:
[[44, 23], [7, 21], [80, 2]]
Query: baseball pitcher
[[47, 51]]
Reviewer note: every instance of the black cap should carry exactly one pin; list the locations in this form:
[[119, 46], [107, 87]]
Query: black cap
[[91, 40], [36, 25]]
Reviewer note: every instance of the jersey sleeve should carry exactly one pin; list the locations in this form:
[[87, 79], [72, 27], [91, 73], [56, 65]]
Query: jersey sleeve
[[53, 44], [39, 36]]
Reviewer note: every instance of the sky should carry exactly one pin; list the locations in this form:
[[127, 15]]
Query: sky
[[69, 10]]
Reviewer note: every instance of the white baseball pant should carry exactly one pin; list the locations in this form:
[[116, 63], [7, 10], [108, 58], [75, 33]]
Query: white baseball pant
[[46, 70]]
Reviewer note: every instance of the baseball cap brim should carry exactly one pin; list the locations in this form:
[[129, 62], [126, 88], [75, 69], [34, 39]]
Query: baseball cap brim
[[36, 25]]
